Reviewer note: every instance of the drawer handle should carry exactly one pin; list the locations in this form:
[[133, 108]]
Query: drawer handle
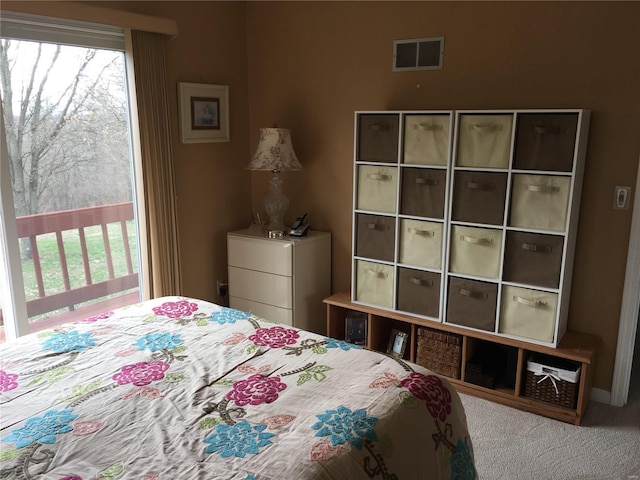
[[486, 186], [380, 127], [548, 130], [487, 127], [420, 282], [379, 176], [376, 274], [473, 294], [427, 181], [428, 127], [532, 247], [543, 188], [476, 240], [423, 233], [377, 226], [529, 302]]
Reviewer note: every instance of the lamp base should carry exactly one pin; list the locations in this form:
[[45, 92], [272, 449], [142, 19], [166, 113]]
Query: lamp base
[[276, 204]]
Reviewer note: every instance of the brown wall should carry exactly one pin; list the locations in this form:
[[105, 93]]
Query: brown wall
[[309, 65]]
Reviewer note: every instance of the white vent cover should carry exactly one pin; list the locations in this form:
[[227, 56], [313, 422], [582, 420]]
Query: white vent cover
[[418, 54]]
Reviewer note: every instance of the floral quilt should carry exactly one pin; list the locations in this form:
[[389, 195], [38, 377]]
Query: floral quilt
[[178, 388]]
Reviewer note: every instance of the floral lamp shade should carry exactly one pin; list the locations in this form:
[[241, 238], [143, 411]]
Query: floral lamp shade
[[274, 152]]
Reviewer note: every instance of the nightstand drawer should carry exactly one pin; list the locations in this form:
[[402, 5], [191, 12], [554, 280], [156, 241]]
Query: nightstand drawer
[[258, 254], [262, 310], [261, 287]]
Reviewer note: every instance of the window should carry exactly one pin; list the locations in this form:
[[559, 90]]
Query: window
[[69, 235]]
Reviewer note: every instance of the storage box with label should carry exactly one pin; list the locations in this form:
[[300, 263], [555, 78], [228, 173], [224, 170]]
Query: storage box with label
[[552, 379]]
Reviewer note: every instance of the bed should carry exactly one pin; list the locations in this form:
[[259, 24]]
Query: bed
[[178, 388]]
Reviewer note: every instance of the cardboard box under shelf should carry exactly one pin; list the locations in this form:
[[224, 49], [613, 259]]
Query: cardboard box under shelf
[[440, 352], [552, 379]]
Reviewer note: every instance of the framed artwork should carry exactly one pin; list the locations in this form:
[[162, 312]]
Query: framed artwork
[[204, 112], [397, 343]]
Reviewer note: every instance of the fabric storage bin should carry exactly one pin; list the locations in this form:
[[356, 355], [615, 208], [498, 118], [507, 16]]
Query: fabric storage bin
[[545, 141], [375, 237], [419, 292], [421, 243], [426, 139], [374, 283], [378, 138], [552, 379], [423, 192], [533, 259], [479, 197], [377, 188], [528, 313], [472, 303], [440, 352], [475, 251], [484, 141], [539, 202]]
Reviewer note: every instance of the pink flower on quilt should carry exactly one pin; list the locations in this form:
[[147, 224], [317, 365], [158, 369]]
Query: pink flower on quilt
[[71, 477], [8, 381], [256, 390], [95, 318], [274, 337], [142, 373], [430, 389], [177, 309], [86, 427]]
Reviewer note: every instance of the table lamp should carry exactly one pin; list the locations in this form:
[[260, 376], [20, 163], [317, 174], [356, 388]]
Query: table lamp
[[275, 153]]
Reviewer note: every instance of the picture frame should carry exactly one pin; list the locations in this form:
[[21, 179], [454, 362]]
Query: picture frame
[[355, 328], [397, 343], [204, 112]]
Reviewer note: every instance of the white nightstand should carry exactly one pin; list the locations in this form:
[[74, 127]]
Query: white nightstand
[[282, 280]]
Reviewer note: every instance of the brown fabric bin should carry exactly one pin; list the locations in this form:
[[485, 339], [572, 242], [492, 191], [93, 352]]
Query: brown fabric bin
[[533, 259], [419, 292], [378, 138], [472, 303], [479, 197], [423, 192], [375, 237], [545, 141]]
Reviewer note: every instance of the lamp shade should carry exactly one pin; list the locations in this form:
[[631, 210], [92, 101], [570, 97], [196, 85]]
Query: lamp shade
[[274, 152]]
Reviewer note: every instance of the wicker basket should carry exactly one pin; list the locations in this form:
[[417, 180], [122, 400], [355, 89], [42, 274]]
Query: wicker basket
[[551, 382], [440, 352]]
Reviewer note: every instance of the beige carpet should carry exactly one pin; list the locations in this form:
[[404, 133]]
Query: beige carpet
[[510, 444]]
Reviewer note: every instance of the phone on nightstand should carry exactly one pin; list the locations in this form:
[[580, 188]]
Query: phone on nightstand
[[299, 227]]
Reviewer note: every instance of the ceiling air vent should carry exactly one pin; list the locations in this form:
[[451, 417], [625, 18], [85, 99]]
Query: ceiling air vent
[[418, 54]]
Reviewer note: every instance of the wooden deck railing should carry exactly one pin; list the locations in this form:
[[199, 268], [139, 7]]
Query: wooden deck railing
[[30, 227]]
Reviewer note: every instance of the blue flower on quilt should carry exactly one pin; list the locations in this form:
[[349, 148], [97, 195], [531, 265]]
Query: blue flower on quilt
[[69, 342], [42, 429], [343, 425], [341, 344], [228, 315], [461, 462], [158, 341], [237, 440]]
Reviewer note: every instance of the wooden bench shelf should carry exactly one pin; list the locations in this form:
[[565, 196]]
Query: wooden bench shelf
[[574, 346]]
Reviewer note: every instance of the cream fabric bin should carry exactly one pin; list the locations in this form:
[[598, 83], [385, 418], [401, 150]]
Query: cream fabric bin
[[475, 251], [377, 188], [484, 141], [421, 243], [426, 139], [378, 140], [540, 202], [374, 283], [528, 313]]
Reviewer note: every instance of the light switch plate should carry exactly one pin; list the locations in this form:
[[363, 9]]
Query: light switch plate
[[621, 198]]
